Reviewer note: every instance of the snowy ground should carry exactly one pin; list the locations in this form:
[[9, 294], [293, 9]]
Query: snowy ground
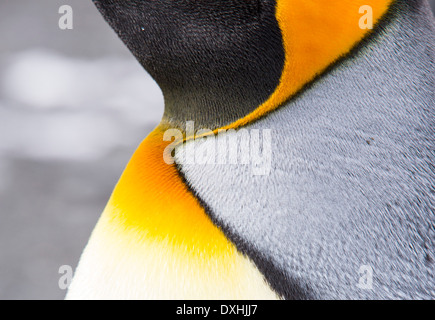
[[73, 107]]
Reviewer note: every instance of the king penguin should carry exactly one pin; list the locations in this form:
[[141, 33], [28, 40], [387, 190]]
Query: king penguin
[[346, 210]]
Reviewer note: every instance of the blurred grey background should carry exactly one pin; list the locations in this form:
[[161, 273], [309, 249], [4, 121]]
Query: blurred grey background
[[74, 105]]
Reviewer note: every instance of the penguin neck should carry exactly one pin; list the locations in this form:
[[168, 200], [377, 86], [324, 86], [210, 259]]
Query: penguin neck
[[213, 99], [210, 108], [390, 71], [217, 102], [390, 75]]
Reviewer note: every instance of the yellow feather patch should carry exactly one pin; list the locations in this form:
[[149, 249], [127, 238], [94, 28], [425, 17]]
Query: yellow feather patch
[[154, 240]]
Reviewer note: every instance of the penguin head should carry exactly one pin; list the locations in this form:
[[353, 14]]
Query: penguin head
[[224, 62]]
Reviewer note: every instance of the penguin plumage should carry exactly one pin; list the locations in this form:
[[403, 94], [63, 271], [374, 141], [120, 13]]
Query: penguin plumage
[[351, 175]]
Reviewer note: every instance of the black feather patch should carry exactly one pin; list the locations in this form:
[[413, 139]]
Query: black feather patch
[[215, 60]]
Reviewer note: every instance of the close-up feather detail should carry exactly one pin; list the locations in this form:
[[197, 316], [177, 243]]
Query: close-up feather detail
[[350, 112]]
